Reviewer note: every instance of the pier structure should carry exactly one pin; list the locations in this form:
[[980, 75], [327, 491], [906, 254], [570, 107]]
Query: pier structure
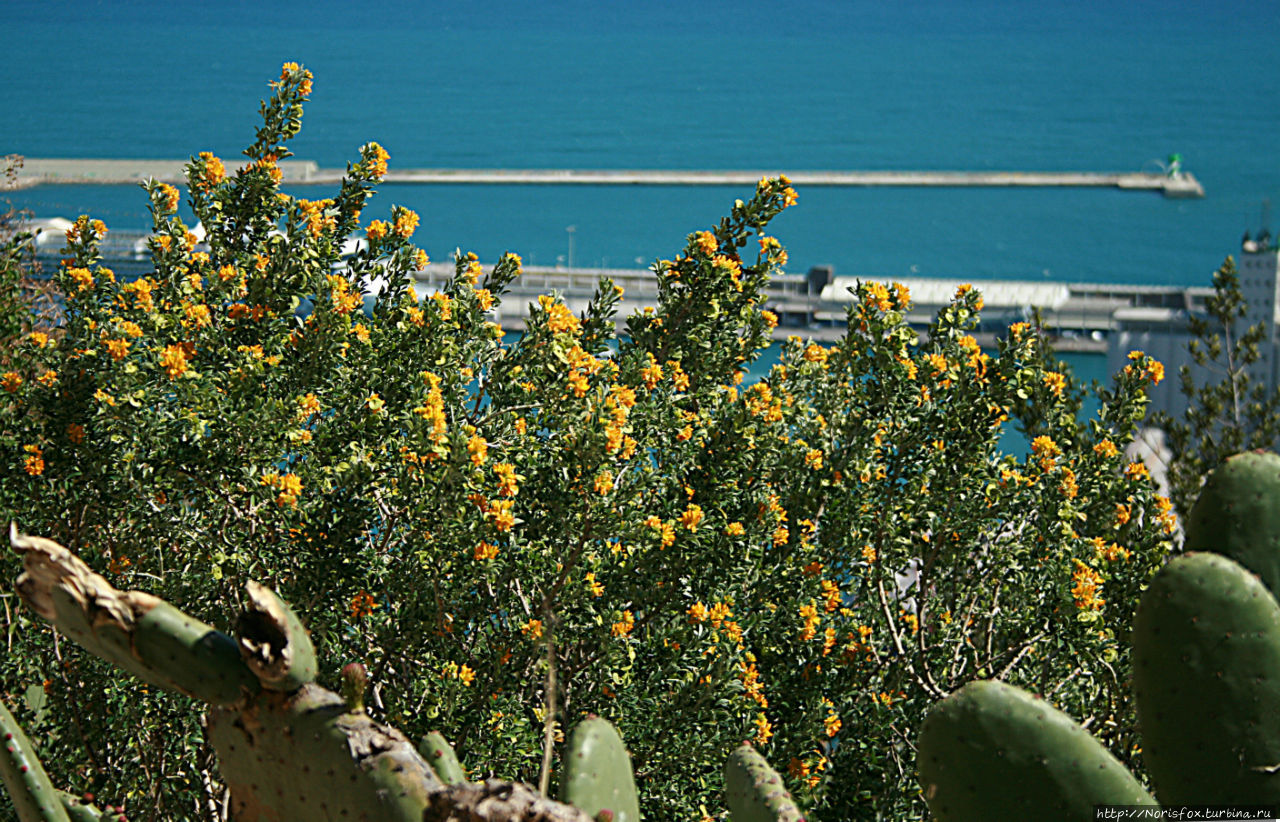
[[1083, 317], [44, 171]]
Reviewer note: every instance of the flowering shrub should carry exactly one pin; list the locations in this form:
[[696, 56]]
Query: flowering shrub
[[511, 535]]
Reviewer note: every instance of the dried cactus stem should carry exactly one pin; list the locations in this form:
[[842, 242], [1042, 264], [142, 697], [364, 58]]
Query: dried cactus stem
[[130, 629], [497, 801], [273, 642]]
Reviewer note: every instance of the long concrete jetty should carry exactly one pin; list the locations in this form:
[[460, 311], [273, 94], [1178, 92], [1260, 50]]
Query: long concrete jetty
[[42, 171]]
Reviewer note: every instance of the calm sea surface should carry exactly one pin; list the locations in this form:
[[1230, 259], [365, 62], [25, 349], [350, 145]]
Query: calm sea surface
[[990, 84]]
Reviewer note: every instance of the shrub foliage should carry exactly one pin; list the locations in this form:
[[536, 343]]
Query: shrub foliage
[[511, 534]]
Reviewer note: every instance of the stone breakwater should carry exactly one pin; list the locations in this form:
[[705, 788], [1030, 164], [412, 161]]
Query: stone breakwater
[[44, 171]]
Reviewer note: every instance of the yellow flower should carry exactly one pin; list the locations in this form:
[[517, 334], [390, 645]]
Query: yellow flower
[[604, 483], [697, 612], [706, 242], [174, 361], [1085, 590], [532, 629], [466, 675], [48, 378], [478, 449], [1136, 471], [361, 332], [877, 296], [377, 230], [82, 277], [170, 198], [1044, 446], [118, 349], [33, 464], [362, 604], [375, 159], [406, 223], [485, 551], [764, 729], [593, 586], [1055, 382], [622, 628], [815, 353], [11, 381], [38, 338], [1106, 448], [691, 517], [501, 516], [734, 529], [832, 724], [214, 170]]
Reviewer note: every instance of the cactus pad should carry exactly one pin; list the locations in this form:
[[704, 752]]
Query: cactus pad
[[1206, 657], [597, 772], [991, 752], [753, 790], [1238, 515], [440, 756]]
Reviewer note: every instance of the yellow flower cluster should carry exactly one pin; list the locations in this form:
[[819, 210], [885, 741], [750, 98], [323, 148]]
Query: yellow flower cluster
[[344, 300], [623, 627], [141, 289], [213, 172], [559, 318], [532, 629], [406, 223], [1153, 369], [318, 216], [375, 160], [289, 486], [501, 516], [485, 551], [362, 604], [809, 613], [1087, 584], [876, 295], [174, 361], [33, 463]]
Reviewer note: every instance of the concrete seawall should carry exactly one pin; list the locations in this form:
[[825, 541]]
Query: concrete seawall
[[44, 171]]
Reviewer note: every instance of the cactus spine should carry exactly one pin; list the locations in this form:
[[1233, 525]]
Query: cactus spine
[[597, 773], [754, 792]]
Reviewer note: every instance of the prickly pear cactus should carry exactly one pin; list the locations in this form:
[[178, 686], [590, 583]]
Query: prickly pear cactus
[[440, 756], [287, 748], [1238, 515], [33, 795], [597, 773], [290, 750], [753, 790], [991, 751], [1206, 656]]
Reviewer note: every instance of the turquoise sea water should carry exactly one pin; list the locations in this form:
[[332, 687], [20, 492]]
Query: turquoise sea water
[[990, 84]]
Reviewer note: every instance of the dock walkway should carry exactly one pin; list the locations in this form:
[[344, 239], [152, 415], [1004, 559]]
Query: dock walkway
[[43, 171]]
